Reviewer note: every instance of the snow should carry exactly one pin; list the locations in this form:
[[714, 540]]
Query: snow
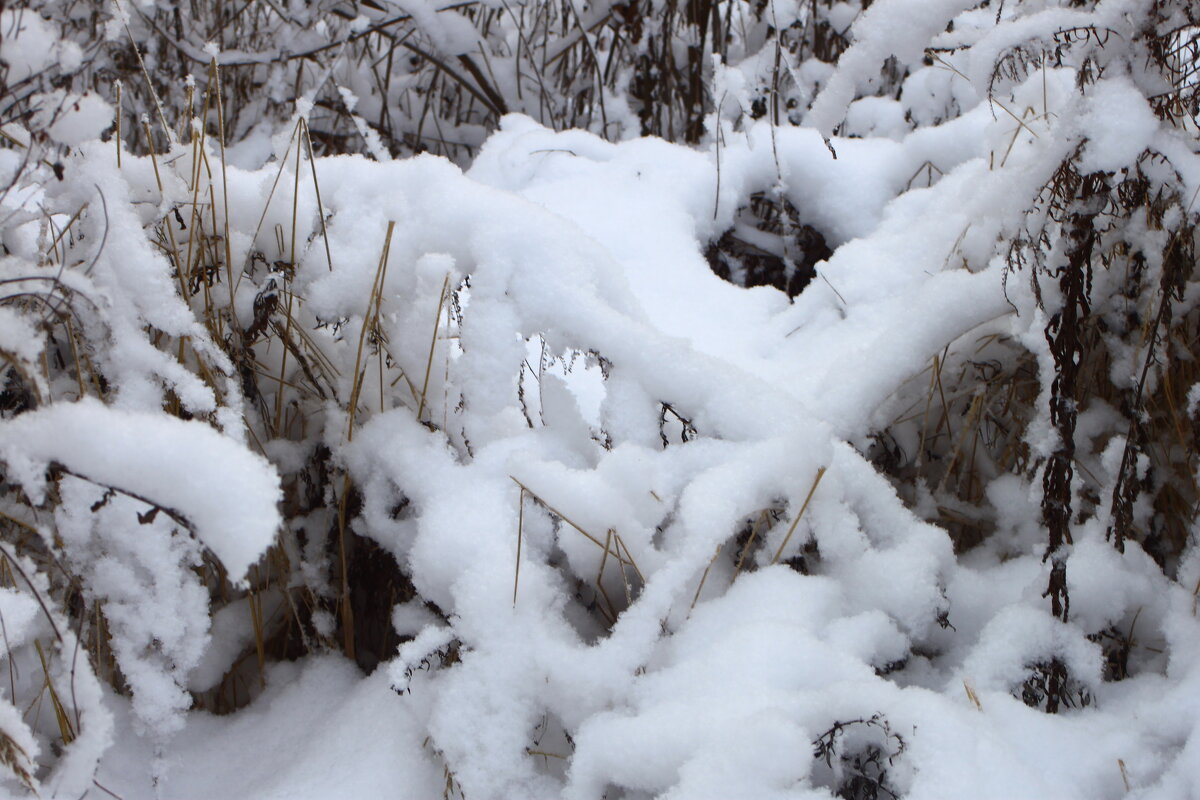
[[29, 44], [324, 723], [73, 119], [887, 28], [1122, 123], [649, 549], [137, 453]]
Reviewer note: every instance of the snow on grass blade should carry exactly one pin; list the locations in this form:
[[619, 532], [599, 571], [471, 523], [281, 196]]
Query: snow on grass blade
[[225, 493]]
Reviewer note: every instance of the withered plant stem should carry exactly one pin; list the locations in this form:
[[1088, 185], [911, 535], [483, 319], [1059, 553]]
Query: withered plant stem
[[811, 491]]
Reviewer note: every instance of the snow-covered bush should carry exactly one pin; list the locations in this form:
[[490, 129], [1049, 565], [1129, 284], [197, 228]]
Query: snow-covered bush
[[592, 519]]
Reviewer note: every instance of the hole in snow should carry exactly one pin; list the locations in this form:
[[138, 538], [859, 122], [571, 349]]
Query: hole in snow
[[769, 245]]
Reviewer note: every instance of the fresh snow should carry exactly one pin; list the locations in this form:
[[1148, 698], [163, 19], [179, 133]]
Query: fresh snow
[[509, 455]]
